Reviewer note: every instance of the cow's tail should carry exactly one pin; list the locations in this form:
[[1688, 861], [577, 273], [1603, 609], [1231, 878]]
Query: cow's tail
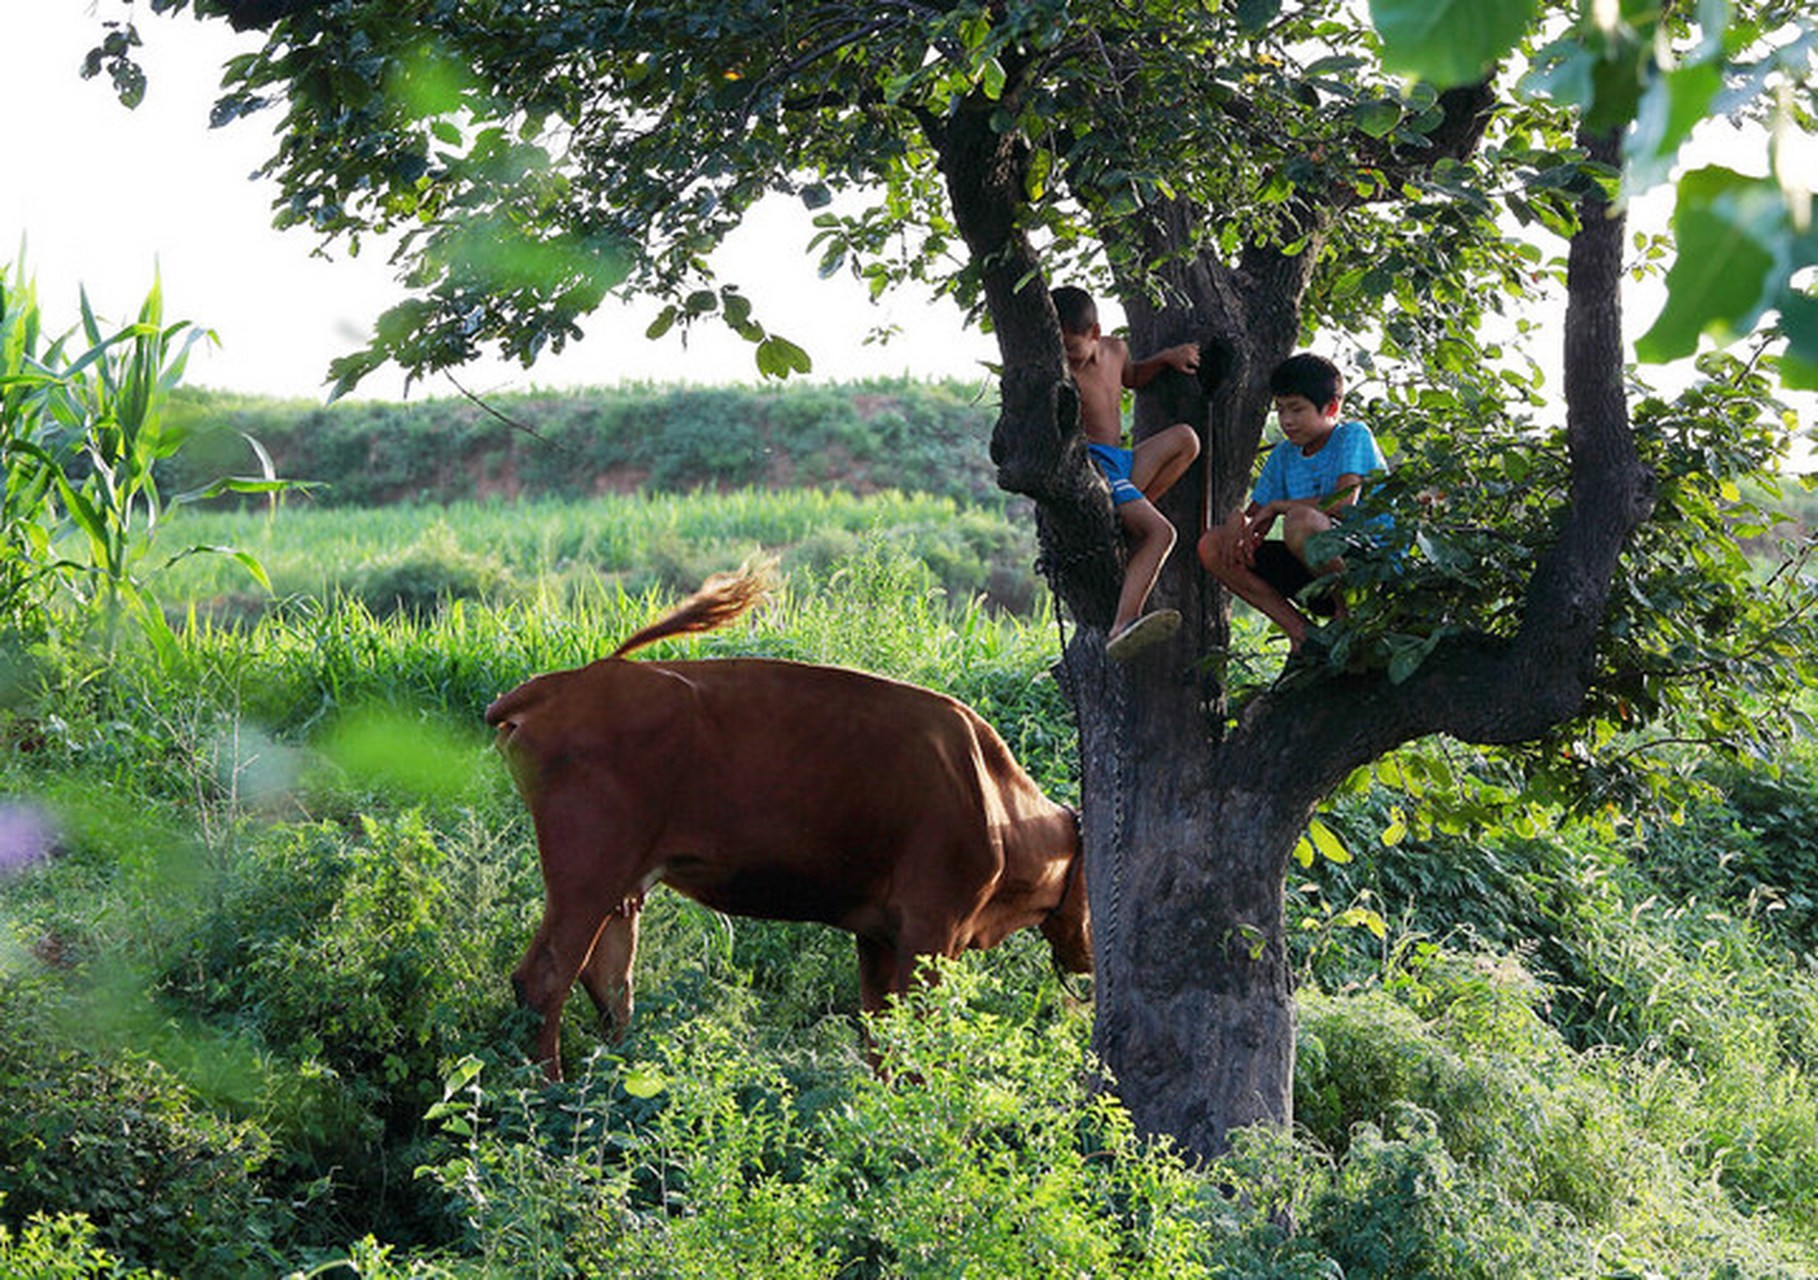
[[722, 598]]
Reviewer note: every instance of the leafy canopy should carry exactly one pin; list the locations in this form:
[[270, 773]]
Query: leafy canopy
[[1746, 243], [531, 157]]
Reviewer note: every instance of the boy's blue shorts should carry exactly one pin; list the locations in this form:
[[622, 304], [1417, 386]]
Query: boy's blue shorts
[[1116, 464]]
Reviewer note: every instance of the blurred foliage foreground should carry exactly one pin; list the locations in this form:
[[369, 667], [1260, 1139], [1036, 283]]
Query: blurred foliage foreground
[[261, 890]]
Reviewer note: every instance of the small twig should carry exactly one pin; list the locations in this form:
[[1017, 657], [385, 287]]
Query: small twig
[[509, 421]]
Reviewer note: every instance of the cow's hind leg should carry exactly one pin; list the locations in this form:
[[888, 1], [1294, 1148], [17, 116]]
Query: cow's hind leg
[[547, 973], [607, 973], [585, 879]]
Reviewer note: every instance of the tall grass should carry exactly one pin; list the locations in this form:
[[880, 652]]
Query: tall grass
[[82, 431]]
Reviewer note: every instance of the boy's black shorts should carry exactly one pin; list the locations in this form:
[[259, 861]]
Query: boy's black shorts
[[1283, 570]]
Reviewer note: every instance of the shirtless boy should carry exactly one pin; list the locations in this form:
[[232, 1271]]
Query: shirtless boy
[[1102, 367]]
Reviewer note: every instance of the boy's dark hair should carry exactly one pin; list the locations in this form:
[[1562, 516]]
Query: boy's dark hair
[[1306, 374], [1075, 307]]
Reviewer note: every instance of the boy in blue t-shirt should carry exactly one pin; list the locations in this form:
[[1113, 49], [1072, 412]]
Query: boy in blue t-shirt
[[1308, 482]]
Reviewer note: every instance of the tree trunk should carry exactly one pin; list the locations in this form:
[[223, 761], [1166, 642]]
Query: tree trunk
[[1194, 997], [1184, 852], [1185, 844]]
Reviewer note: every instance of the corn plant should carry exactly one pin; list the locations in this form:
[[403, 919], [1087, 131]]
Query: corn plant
[[24, 536], [82, 428]]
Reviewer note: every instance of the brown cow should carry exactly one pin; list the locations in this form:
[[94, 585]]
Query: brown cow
[[779, 790]]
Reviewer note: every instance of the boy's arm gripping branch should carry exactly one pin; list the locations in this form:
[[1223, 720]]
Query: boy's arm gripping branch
[[1140, 373], [1344, 494]]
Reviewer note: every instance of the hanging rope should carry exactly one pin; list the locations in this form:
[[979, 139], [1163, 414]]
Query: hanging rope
[[1105, 919]]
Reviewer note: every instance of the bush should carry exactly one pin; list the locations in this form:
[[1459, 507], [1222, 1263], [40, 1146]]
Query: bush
[[162, 1178], [1753, 847], [1401, 1205], [974, 1150], [421, 579], [62, 1247]]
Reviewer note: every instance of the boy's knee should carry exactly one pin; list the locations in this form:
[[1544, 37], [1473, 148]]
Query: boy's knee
[[1301, 523], [1184, 441], [1304, 522], [1159, 534], [1147, 525], [1213, 545]]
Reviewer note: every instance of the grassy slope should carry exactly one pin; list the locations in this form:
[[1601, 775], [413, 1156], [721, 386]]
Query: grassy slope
[[858, 437]]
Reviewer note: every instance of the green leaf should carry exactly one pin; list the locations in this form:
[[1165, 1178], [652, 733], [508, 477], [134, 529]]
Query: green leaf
[[642, 1081], [1379, 118], [240, 484], [388, 749], [247, 561], [1670, 108], [1254, 15], [992, 79], [245, 558], [1327, 842], [462, 1074], [735, 309], [1304, 852], [1799, 322], [1563, 71], [1362, 918], [1724, 276], [1450, 42], [777, 357], [1035, 177], [1397, 830], [1406, 653], [153, 624]]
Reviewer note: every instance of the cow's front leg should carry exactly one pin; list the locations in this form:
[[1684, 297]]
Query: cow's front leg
[[607, 974], [877, 983], [878, 974]]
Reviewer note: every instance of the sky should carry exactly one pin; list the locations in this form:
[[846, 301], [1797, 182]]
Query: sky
[[105, 198]]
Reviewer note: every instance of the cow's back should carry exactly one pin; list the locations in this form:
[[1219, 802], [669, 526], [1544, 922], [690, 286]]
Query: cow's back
[[827, 794]]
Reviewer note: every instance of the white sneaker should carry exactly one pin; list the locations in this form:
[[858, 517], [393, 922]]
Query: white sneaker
[[1149, 630]]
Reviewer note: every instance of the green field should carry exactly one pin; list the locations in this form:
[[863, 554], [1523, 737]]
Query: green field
[[257, 1017], [411, 558]]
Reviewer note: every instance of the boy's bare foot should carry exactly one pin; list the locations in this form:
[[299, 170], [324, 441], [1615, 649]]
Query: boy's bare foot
[[1146, 631]]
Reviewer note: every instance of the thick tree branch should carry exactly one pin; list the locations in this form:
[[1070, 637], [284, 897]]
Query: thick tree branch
[[1038, 445]]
